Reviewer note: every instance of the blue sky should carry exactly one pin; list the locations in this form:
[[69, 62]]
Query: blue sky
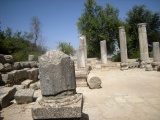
[[58, 17]]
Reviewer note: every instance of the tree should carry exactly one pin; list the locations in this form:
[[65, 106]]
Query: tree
[[140, 14], [66, 48], [35, 28], [99, 23]]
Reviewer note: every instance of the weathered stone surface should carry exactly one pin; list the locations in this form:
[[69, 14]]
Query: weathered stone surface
[[124, 66], [8, 78], [33, 73], [33, 64], [30, 57], [57, 73], [158, 68], [16, 66], [19, 87], [34, 86], [156, 52], [15, 75], [103, 51], [143, 42], [63, 109], [148, 67], [8, 58], [2, 59], [81, 74], [81, 62], [27, 83], [24, 96], [1, 67], [7, 67], [6, 94], [93, 81], [134, 65], [22, 74]]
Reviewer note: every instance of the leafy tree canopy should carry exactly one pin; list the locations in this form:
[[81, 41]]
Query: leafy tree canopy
[[66, 48], [99, 23], [140, 14]]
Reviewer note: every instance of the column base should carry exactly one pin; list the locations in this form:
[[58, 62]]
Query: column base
[[53, 108], [124, 66], [155, 65]]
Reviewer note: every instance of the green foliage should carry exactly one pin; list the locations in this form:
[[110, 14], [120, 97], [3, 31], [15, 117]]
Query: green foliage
[[18, 46], [99, 23], [66, 48], [116, 58], [140, 14]]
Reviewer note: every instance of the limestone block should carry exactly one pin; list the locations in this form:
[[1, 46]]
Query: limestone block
[[6, 94], [57, 73], [27, 83], [19, 87], [51, 111], [81, 74], [148, 67], [24, 96], [25, 64], [33, 74], [1, 67], [16, 66], [93, 81], [8, 58], [2, 59], [16, 75], [22, 74], [34, 86], [33, 64], [8, 78], [7, 67], [158, 68]]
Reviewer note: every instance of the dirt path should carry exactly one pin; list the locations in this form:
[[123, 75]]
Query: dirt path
[[125, 95]]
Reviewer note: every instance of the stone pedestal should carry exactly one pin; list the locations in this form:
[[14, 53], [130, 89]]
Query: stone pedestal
[[103, 52], [58, 87], [143, 43], [156, 55], [123, 48]]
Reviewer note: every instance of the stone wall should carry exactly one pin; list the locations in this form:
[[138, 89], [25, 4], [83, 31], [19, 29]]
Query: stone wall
[[12, 73]]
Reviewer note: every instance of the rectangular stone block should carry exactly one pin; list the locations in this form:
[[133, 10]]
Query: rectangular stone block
[[15, 75], [24, 96], [33, 74], [27, 83], [8, 78], [67, 111], [6, 94], [57, 73]]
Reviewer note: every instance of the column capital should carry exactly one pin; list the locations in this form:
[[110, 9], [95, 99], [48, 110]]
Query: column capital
[[121, 27], [141, 24]]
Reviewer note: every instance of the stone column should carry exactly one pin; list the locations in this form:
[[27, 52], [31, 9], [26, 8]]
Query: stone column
[[123, 48], [143, 43], [156, 55], [81, 61], [82, 53], [83, 45], [103, 52], [58, 88]]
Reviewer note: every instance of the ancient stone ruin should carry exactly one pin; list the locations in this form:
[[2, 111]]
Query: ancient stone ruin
[[58, 87]]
